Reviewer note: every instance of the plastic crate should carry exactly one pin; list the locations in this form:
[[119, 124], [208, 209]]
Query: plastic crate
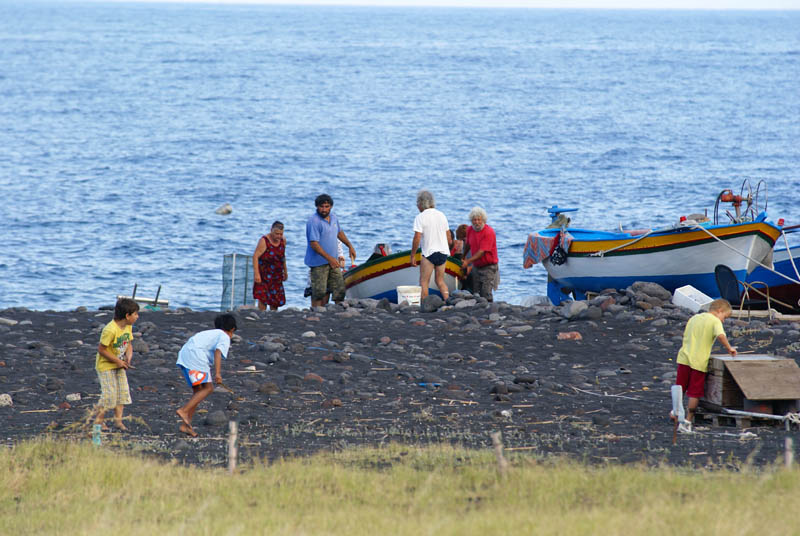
[[691, 298]]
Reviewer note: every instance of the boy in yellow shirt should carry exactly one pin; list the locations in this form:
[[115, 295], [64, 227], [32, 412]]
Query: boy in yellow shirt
[[698, 338], [114, 355]]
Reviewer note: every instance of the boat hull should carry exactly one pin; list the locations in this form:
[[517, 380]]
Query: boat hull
[[671, 258], [779, 287], [380, 277]]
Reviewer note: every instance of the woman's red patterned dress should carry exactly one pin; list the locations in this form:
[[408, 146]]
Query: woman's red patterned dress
[[270, 267]]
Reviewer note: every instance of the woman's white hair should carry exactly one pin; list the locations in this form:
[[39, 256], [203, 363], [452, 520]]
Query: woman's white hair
[[425, 200], [478, 212]]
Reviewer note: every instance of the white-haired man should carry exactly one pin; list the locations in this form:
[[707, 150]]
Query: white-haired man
[[432, 231], [481, 253]]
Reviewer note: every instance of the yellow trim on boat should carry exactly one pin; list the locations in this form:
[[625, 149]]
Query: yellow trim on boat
[[672, 239], [390, 265]]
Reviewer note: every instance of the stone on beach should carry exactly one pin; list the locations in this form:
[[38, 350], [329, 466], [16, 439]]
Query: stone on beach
[[54, 384], [572, 309], [269, 388], [651, 289], [569, 336], [216, 418], [431, 303]]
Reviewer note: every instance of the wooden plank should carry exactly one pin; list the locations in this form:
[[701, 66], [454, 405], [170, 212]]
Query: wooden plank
[[736, 313], [777, 379], [716, 363]]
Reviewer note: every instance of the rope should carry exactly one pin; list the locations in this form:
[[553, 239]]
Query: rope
[[718, 239], [789, 251], [602, 253], [793, 418]]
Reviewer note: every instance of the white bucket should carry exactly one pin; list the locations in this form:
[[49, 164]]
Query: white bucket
[[409, 293]]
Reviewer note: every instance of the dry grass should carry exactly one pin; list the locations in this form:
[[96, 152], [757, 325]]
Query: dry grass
[[50, 487]]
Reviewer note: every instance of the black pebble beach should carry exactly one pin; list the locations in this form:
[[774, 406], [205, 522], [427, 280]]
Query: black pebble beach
[[370, 373]]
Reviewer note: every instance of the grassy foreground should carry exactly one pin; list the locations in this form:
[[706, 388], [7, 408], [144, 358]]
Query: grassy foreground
[[57, 487]]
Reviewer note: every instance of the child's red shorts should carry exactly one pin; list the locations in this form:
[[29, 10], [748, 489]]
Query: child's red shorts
[[693, 381]]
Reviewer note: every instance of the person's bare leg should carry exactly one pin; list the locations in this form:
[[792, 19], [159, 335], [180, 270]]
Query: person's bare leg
[[425, 270], [693, 403], [118, 417], [262, 306], [100, 418], [187, 411], [321, 303], [439, 278], [188, 430]]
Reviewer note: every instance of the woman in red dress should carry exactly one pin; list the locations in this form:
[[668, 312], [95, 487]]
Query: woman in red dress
[[269, 269]]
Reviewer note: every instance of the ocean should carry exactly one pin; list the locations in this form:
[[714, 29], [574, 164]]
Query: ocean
[[124, 126]]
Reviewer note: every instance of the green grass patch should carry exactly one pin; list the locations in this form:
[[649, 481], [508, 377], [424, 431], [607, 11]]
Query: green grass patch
[[59, 487]]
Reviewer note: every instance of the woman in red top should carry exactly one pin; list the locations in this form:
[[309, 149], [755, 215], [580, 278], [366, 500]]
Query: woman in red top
[[269, 269]]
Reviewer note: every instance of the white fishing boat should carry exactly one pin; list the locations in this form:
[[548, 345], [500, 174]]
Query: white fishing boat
[[579, 261], [379, 278]]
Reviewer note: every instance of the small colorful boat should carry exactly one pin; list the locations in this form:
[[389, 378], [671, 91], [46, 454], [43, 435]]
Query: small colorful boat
[[379, 278], [580, 260]]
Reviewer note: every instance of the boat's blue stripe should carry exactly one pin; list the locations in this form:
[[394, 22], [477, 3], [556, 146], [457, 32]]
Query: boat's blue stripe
[[771, 279]]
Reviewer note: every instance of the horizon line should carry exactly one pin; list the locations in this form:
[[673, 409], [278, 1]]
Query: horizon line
[[622, 5]]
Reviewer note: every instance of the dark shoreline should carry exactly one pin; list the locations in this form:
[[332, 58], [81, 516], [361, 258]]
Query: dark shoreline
[[376, 373]]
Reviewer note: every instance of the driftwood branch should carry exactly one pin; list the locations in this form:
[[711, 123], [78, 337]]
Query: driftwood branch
[[604, 394]]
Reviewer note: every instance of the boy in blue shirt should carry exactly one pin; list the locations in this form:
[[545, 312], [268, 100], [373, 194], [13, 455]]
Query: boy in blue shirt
[[195, 359]]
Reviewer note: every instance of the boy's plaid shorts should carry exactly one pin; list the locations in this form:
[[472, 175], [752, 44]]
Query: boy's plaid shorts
[[114, 390]]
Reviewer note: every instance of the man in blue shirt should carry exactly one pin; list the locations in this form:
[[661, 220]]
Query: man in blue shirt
[[322, 232]]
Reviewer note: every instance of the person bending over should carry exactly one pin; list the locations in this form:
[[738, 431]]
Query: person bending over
[[195, 358]]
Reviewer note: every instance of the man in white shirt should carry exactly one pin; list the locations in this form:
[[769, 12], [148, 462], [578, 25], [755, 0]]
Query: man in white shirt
[[431, 229]]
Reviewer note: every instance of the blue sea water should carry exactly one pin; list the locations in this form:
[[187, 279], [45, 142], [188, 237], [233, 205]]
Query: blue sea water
[[124, 126]]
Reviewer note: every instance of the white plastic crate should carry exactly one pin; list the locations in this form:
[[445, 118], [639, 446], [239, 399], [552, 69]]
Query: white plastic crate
[[691, 298]]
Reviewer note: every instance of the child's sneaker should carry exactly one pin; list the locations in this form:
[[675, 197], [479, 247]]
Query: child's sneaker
[[685, 427]]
